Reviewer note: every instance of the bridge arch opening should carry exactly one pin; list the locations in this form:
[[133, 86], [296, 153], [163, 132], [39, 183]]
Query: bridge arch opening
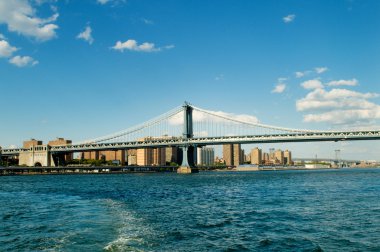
[[38, 164]]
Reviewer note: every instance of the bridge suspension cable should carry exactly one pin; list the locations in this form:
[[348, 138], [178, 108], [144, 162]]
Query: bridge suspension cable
[[205, 123], [156, 127], [219, 124]]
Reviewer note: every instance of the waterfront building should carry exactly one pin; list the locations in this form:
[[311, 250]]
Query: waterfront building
[[279, 157], [247, 158], [272, 156], [171, 155], [132, 157], [232, 154], [159, 156], [109, 155], [61, 141], [32, 142], [265, 158], [38, 154], [242, 155], [256, 155], [118, 155], [90, 155], [205, 156], [288, 157], [150, 156], [144, 156]]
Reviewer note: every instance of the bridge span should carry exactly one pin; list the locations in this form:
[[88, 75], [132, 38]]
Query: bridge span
[[189, 127]]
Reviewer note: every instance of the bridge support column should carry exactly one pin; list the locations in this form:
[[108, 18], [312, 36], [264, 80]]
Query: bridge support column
[[187, 165]]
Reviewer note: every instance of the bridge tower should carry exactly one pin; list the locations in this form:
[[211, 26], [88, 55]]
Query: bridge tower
[[187, 165]]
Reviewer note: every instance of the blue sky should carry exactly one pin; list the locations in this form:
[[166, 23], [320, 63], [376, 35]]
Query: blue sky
[[81, 69]]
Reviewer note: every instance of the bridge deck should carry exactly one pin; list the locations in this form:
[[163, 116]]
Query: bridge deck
[[254, 139]]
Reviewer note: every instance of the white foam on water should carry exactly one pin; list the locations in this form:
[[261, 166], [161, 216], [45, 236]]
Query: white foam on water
[[131, 229]]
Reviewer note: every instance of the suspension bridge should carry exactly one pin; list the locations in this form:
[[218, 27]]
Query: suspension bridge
[[188, 127]]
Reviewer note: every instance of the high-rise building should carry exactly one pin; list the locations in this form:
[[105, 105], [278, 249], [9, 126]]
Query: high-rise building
[[132, 157], [144, 156], [90, 155], [247, 158], [272, 155], [150, 156], [288, 157], [241, 158], [238, 155], [228, 154], [159, 156], [114, 155], [171, 154], [256, 156], [232, 154], [199, 156], [279, 156], [265, 158], [119, 155], [205, 156]]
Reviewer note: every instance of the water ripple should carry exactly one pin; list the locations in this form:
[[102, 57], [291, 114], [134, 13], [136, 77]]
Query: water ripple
[[257, 211]]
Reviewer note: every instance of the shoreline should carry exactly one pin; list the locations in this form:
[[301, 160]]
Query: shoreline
[[30, 171]]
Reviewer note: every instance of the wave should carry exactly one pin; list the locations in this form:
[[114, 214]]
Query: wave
[[131, 230]]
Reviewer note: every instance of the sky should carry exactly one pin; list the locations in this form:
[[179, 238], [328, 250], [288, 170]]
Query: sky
[[83, 69]]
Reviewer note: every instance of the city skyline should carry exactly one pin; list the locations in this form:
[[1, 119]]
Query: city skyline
[[306, 65]]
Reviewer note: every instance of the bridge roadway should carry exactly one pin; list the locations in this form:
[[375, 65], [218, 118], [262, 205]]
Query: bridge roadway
[[201, 141]]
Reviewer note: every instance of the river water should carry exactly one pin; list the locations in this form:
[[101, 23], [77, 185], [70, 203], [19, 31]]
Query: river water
[[326, 210]]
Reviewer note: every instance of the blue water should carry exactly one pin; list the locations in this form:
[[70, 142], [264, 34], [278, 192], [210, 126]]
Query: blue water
[[329, 210]]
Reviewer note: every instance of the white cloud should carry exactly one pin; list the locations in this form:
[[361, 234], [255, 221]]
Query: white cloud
[[103, 1], [23, 61], [320, 70], [169, 47], [339, 106], [299, 74], [86, 35], [279, 88], [132, 45], [40, 2], [353, 82], [289, 18], [282, 79], [147, 21], [312, 84], [6, 50], [335, 98], [219, 77], [114, 2], [2, 36], [356, 116], [20, 17]]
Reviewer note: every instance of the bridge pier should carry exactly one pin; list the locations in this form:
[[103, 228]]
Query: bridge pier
[[187, 165]]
